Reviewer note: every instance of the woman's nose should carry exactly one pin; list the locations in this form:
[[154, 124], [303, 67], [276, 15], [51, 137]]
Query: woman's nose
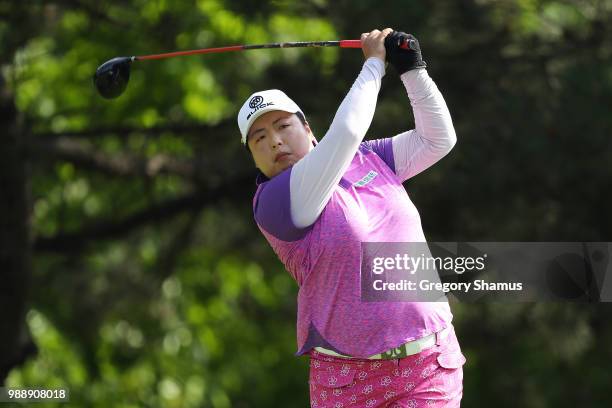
[[276, 140]]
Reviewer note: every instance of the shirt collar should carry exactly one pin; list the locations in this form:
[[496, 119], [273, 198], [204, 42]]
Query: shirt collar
[[260, 178]]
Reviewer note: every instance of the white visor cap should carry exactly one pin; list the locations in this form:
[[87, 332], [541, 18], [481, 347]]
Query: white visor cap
[[260, 103]]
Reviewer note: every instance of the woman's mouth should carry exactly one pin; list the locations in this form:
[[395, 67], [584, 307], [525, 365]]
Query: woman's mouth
[[281, 156]]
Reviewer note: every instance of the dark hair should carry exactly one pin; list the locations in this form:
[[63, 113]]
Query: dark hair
[[300, 116]]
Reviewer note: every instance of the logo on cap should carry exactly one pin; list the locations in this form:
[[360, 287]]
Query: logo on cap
[[255, 101]]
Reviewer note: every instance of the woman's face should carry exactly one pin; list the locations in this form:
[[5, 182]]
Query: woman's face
[[278, 140]]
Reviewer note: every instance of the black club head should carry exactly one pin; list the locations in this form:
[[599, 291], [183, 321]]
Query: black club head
[[111, 78]]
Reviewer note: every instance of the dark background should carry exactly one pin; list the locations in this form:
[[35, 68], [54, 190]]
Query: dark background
[[132, 271]]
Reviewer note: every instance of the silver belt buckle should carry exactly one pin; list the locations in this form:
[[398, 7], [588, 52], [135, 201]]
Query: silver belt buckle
[[397, 352], [415, 346]]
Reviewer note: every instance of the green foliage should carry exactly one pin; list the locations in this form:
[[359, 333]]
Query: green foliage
[[191, 308]]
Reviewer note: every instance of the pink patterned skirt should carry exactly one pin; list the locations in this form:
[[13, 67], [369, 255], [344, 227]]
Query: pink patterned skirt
[[431, 378]]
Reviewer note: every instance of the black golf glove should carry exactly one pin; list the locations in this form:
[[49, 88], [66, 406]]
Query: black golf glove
[[403, 60]]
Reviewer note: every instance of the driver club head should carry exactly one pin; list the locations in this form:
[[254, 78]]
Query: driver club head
[[111, 78]]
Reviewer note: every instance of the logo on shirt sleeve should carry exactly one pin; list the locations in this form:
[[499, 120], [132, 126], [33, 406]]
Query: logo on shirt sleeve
[[368, 177]]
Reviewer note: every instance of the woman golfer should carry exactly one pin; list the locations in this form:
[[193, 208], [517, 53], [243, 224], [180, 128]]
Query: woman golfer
[[317, 202]]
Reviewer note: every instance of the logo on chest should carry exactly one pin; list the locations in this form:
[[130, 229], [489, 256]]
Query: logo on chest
[[365, 180]]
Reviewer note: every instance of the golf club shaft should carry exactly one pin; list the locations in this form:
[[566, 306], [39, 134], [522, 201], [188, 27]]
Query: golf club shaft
[[341, 44]]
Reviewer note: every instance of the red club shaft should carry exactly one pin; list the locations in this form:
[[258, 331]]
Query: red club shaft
[[341, 44], [190, 52]]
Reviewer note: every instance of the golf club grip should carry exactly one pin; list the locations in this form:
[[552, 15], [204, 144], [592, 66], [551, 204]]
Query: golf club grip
[[357, 44], [350, 43]]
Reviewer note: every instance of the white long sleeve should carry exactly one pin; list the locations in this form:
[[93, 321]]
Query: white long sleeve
[[434, 135], [315, 176]]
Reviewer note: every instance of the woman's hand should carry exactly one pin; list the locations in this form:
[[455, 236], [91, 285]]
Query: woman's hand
[[373, 43]]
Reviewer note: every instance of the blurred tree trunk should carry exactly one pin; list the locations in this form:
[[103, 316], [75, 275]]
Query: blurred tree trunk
[[15, 343], [15, 241]]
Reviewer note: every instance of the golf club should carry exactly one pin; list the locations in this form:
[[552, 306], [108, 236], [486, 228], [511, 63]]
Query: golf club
[[111, 78]]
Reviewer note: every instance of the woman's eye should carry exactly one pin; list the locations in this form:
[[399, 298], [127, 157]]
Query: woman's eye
[[260, 137], [284, 126]]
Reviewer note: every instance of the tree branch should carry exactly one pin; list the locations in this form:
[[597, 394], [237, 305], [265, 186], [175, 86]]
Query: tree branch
[[125, 131], [92, 11], [109, 228], [85, 156]]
